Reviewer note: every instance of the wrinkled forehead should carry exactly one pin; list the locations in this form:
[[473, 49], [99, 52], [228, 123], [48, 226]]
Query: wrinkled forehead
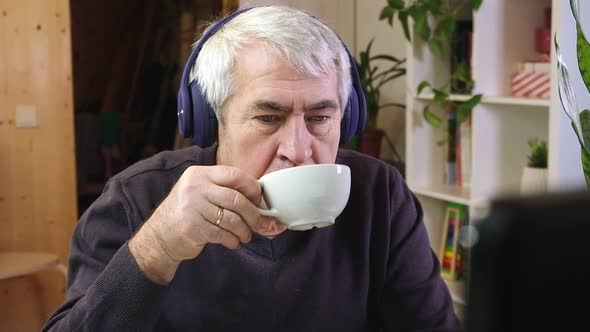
[[268, 60], [263, 75]]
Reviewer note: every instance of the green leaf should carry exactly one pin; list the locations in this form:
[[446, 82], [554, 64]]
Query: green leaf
[[577, 134], [462, 75], [372, 103], [464, 109], [462, 72], [403, 17], [583, 56], [362, 71], [567, 96], [476, 4], [422, 85], [432, 5], [436, 8], [368, 50], [421, 24], [386, 57], [444, 29], [364, 61], [575, 7], [586, 166], [538, 153], [387, 13], [439, 95], [585, 124], [374, 70], [390, 71], [463, 114], [435, 47], [398, 105], [396, 4], [389, 78], [433, 119], [473, 101]]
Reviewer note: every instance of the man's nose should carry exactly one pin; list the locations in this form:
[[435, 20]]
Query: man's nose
[[295, 144]]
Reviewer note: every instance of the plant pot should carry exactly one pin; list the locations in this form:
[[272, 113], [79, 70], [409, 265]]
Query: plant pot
[[534, 180], [371, 142]]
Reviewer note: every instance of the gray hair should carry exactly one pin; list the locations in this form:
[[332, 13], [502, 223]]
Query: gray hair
[[304, 41]]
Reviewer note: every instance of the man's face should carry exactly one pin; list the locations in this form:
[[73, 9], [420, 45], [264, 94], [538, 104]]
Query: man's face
[[278, 118]]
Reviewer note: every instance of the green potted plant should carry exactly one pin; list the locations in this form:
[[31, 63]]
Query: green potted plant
[[580, 119], [438, 38], [534, 176], [375, 71]]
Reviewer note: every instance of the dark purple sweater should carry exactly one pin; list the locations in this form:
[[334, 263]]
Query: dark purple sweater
[[373, 270]]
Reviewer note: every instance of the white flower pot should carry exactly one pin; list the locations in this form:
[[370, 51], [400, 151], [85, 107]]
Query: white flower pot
[[534, 180]]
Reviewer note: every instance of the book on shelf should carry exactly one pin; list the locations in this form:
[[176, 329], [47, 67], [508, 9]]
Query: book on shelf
[[453, 257], [451, 165], [458, 154], [464, 153], [461, 54]]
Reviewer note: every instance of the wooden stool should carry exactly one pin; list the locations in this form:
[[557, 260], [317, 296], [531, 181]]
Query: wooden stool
[[16, 264]]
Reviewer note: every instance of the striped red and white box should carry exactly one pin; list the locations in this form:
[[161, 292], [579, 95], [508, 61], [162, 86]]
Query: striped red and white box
[[532, 85]]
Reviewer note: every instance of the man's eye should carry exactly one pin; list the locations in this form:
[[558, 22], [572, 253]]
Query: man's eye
[[268, 118], [319, 118]]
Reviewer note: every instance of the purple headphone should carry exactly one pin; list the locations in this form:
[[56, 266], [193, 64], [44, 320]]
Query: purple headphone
[[196, 118]]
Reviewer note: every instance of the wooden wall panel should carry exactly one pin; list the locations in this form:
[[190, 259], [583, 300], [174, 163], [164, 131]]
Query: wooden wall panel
[[37, 165]]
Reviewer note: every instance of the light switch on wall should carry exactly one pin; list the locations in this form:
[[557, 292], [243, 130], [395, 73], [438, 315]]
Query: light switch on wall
[[26, 116]]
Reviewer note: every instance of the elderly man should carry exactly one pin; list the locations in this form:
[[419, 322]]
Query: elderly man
[[176, 242]]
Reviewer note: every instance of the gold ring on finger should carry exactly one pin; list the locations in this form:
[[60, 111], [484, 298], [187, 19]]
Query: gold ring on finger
[[219, 216]]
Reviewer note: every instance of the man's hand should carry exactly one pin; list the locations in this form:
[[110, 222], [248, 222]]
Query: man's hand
[[185, 221]]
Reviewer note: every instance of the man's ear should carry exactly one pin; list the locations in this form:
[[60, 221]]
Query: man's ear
[[220, 128]]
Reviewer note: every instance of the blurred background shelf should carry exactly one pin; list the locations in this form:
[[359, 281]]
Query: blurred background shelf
[[500, 100], [501, 124], [446, 193]]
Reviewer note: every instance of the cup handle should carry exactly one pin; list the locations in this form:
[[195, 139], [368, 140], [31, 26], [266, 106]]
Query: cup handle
[[270, 212]]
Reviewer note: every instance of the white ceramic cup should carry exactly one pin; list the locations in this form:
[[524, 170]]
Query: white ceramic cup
[[308, 196]]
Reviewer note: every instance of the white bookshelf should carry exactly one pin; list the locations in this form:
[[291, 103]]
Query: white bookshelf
[[503, 35], [446, 193], [506, 100]]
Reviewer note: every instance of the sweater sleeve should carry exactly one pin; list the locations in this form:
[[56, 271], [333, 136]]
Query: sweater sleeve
[[415, 297], [106, 289]]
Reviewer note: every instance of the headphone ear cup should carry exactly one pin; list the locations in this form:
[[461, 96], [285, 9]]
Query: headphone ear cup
[[357, 100], [361, 112], [355, 115], [184, 111], [196, 118], [204, 120], [348, 125]]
